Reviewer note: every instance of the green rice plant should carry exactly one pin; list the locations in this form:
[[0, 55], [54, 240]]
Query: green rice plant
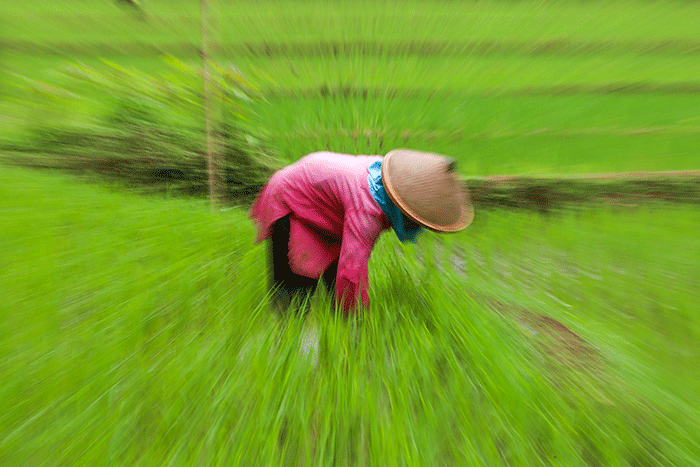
[[527, 88], [137, 331], [147, 127]]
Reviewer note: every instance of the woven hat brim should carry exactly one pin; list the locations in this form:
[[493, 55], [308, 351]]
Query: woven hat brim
[[466, 209]]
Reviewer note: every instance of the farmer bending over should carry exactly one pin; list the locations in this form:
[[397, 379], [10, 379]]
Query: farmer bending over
[[325, 212]]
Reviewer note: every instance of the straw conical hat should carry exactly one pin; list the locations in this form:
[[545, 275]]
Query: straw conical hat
[[425, 188]]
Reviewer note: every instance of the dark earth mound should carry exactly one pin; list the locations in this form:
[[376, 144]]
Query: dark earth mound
[[550, 193]]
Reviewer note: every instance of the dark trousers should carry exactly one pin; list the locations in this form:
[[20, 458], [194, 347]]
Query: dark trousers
[[287, 285]]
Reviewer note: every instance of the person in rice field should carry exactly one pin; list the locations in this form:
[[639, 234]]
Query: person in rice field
[[324, 213]]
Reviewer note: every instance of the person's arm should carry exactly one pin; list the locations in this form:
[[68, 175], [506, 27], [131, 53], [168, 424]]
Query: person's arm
[[360, 234]]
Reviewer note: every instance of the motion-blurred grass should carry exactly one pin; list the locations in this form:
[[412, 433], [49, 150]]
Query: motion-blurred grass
[[136, 331], [516, 88]]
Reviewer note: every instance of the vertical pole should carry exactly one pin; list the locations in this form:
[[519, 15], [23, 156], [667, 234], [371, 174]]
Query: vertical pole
[[211, 168]]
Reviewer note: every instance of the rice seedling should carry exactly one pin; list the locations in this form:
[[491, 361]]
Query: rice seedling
[[136, 331], [526, 88]]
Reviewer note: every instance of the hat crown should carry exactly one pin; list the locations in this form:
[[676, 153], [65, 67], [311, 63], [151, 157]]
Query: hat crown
[[425, 187]]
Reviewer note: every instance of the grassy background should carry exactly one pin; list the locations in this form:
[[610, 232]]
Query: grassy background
[[508, 88], [136, 331]]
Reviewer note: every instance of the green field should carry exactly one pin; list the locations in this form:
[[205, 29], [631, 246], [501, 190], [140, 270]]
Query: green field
[[508, 88], [136, 329]]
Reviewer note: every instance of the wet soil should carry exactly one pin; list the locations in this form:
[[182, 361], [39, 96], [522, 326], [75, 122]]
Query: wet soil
[[625, 189], [561, 347], [544, 194]]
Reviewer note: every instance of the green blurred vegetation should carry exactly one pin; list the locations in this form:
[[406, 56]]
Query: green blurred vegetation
[[506, 87], [145, 128], [136, 331]]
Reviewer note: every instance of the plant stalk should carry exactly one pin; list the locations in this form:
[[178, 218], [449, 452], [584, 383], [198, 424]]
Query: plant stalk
[[211, 164]]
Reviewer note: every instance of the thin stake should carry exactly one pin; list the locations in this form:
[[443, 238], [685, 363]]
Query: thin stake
[[207, 117]]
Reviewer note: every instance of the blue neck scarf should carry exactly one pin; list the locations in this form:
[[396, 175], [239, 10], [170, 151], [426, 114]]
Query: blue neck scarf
[[405, 228]]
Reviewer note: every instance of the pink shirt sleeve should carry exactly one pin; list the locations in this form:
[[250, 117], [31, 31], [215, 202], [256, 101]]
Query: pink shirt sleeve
[[360, 233]]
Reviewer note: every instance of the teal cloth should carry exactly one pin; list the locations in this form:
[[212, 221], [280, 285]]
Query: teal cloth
[[405, 228]]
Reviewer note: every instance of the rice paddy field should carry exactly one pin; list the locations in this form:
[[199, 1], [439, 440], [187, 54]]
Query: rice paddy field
[[136, 330], [506, 87]]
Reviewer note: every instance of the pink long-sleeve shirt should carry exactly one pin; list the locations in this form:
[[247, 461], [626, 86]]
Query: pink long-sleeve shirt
[[333, 216]]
